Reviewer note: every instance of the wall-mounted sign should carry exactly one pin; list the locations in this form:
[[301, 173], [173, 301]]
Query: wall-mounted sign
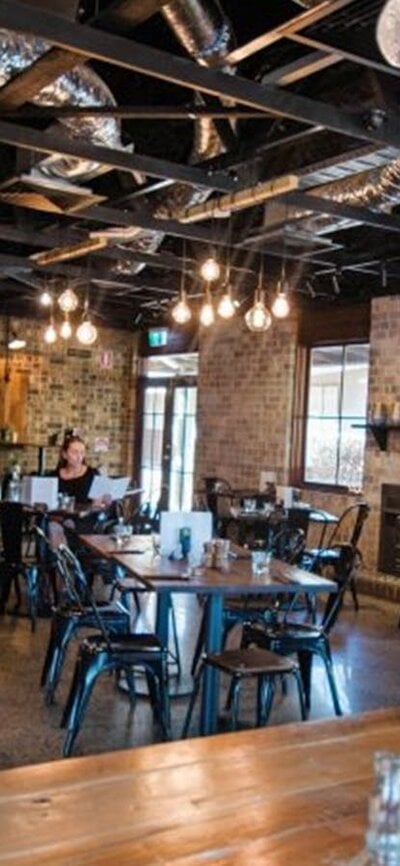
[[101, 444], [157, 337], [107, 359]]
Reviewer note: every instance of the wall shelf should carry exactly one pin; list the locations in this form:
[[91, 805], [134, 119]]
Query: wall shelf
[[12, 446], [379, 431]]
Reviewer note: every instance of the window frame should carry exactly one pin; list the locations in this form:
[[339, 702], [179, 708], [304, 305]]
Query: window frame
[[300, 415]]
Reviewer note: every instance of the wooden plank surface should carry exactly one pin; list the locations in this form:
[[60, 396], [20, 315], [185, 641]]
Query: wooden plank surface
[[279, 796]]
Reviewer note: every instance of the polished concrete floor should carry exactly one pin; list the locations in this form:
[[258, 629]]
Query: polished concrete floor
[[367, 662]]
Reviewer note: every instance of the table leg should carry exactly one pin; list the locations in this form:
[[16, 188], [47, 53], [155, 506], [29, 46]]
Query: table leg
[[209, 696], [162, 617]]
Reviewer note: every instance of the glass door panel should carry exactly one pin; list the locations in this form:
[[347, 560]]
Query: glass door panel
[[183, 439], [153, 426]]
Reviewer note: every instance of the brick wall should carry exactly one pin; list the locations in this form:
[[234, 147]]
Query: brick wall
[[382, 467], [68, 386], [245, 401]]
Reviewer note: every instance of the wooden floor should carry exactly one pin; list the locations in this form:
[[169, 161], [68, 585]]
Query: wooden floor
[[367, 663]]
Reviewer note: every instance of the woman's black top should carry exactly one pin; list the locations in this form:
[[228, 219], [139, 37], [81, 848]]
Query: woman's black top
[[77, 487]]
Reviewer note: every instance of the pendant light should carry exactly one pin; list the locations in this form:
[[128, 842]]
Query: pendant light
[[50, 333], [68, 301], [258, 318], [45, 298], [86, 333], [280, 306], [226, 308], [181, 312], [66, 328], [207, 315], [210, 269]]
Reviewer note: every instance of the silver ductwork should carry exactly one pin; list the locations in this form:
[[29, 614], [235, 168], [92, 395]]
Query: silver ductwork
[[206, 34], [81, 86]]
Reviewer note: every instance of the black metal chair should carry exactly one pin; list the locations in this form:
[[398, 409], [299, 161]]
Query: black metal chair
[[103, 652], [242, 664], [13, 566], [288, 545], [347, 530], [68, 617], [288, 637]]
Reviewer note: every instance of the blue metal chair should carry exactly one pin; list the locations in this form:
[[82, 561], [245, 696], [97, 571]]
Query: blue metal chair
[[103, 652]]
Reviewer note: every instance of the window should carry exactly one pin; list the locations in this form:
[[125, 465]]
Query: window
[[337, 400]]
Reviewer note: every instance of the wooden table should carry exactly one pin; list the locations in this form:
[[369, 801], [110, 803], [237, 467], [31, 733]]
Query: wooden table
[[281, 796], [165, 577]]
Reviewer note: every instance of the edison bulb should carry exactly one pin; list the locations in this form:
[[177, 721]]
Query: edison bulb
[[226, 307], [68, 301], [66, 330], [207, 315], [50, 334], [258, 318], [181, 312], [45, 299], [86, 333], [280, 306], [210, 270]]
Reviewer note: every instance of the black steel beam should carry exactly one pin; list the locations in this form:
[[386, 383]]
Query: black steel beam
[[318, 204], [54, 142], [162, 65]]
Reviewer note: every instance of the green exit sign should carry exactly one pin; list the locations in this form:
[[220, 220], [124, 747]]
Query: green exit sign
[[157, 337]]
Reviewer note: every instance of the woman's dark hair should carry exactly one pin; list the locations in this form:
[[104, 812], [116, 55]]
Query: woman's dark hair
[[68, 440]]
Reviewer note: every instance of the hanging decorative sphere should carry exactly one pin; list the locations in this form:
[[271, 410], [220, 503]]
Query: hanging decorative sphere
[[226, 307], [210, 270]]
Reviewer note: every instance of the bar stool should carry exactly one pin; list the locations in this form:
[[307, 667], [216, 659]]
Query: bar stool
[[241, 664]]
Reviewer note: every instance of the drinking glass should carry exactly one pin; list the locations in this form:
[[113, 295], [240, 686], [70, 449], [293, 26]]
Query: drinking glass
[[260, 560], [383, 834]]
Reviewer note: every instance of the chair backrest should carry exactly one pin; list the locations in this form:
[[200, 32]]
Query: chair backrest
[[74, 579], [350, 525], [343, 574], [288, 544]]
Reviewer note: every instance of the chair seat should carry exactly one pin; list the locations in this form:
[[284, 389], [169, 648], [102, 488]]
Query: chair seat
[[122, 643], [294, 631], [250, 662]]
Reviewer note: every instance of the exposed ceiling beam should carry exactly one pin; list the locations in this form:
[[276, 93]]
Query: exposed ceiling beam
[[54, 142], [29, 82], [120, 12], [131, 112], [61, 237], [299, 22], [345, 54], [317, 204], [155, 63], [301, 68]]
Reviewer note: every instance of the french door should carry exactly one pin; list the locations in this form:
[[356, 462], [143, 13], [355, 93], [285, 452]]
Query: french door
[[168, 440]]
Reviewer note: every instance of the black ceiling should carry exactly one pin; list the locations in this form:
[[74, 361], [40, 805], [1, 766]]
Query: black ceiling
[[305, 140]]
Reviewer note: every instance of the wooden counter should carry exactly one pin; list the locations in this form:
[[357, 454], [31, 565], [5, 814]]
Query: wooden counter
[[281, 796]]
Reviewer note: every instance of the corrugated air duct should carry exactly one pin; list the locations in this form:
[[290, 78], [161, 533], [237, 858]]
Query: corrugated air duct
[[81, 86]]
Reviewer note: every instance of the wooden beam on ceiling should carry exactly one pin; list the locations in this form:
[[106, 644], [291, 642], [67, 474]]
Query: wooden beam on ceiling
[[182, 72], [43, 71], [56, 143], [299, 22]]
